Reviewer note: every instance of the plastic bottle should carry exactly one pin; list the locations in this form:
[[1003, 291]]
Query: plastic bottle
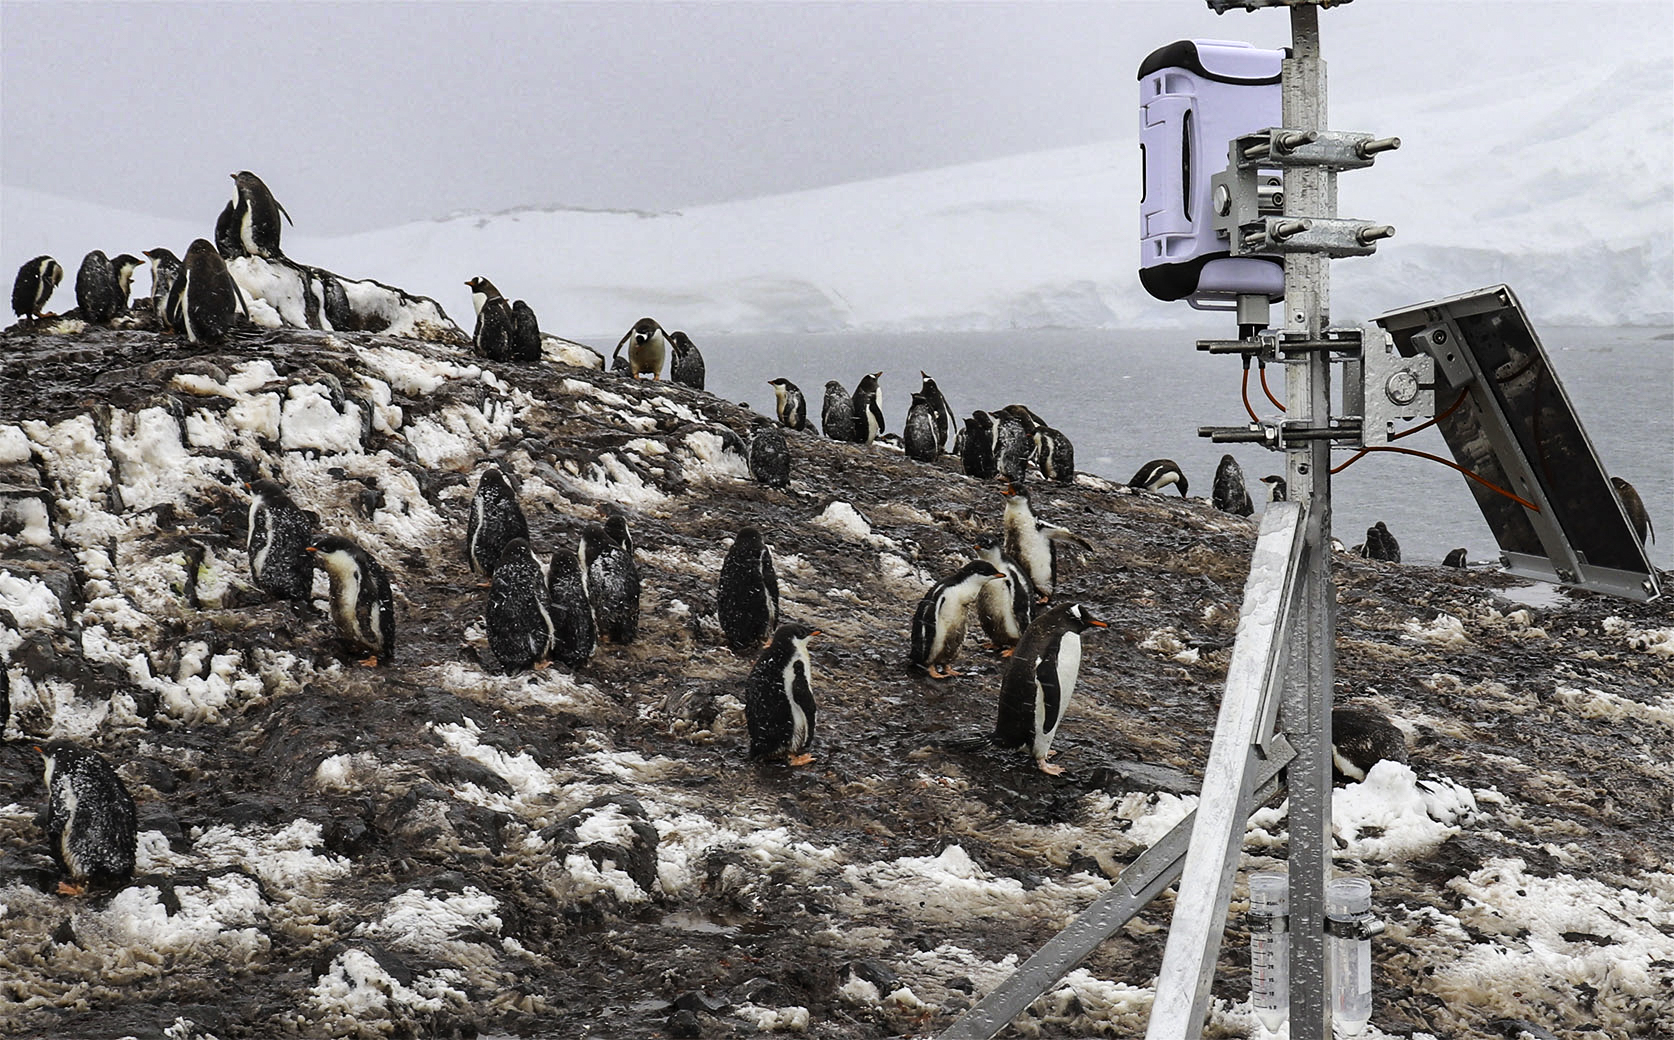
[[1348, 955], [1269, 924]]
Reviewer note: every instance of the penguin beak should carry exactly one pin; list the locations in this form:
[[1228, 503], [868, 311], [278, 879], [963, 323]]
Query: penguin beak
[[815, 632], [1096, 623]]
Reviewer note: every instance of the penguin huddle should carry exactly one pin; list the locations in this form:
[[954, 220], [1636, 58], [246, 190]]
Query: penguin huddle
[[504, 331]]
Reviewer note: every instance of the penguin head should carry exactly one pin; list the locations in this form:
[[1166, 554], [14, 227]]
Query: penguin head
[[981, 570], [482, 290], [516, 549], [52, 272], [988, 547], [644, 329], [333, 549], [125, 266], [270, 491], [680, 342], [1017, 492], [616, 528], [1083, 618], [495, 484], [795, 634]]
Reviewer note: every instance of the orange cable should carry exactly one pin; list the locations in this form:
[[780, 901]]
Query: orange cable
[[1490, 485], [1433, 420], [1268, 392], [1244, 390]]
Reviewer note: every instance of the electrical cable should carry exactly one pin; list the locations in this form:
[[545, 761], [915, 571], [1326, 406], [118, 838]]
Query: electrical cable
[[1490, 485], [1433, 420], [1268, 392], [1244, 390]]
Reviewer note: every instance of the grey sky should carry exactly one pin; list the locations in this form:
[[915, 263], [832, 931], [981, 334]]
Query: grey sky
[[367, 115]]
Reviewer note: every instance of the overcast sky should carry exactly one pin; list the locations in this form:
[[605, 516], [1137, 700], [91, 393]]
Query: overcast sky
[[367, 115]]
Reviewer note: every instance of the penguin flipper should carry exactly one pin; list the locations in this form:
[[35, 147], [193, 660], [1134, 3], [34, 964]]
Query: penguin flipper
[[979, 742], [1046, 680], [282, 209]]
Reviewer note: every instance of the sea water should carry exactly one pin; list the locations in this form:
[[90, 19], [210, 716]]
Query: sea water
[[1126, 397]]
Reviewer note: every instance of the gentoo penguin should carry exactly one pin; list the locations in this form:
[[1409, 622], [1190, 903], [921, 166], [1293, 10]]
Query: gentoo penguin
[[1230, 494], [1635, 508], [1039, 680], [612, 579], [1456, 558], [1055, 455], [943, 614], [496, 521], [227, 241], [361, 602], [1004, 610], [747, 596], [977, 451], [333, 300], [769, 455], [496, 325], [277, 537], [779, 697], [940, 411], [526, 334], [647, 345], [1381, 545], [1158, 474], [96, 288], [920, 435], [837, 414], [1360, 739], [36, 280], [164, 266], [520, 629], [204, 301], [1014, 445], [687, 368], [788, 403], [573, 634], [1278, 490], [90, 817], [257, 215], [1033, 542], [868, 411]]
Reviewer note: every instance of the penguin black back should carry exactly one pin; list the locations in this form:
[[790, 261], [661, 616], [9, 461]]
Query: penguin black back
[[526, 333], [496, 325], [257, 215], [1039, 680], [96, 291], [687, 369], [1231, 494], [1055, 455], [977, 451], [91, 821], [496, 520], [613, 584], [520, 629], [1456, 558], [837, 412], [1381, 545], [277, 537], [920, 430], [36, 280], [204, 300], [747, 595], [769, 454], [1634, 506], [779, 697], [1360, 739], [573, 634], [941, 413]]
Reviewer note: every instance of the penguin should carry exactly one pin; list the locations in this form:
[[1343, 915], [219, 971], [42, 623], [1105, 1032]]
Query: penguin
[[1456, 558], [124, 266], [1014, 445], [257, 215], [164, 266], [687, 368], [496, 324], [1055, 455], [612, 579], [334, 301], [867, 409], [227, 240], [977, 451], [496, 521], [1158, 474], [619, 366], [1033, 542], [1278, 490], [1039, 680], [837, 413], [96, 288], [616, 525], [91, 822], [921, 443], [1360, 739], [1004, 611], [747, 596], [526, 334], [940, 411], [647, 345], [1230, 494], [34, 286], [769, 456], [779, 697], [520, 628], [943, 614], [204, 301], [788, 404], [361, 602], [277, 537], [1381, 545], [1634, 506], [573, 634]]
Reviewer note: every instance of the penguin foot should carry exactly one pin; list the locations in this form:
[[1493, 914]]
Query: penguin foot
[[485, 584], [945, 673], [72, 888], [1048, 768], [370, 662], [541, 666], [1007, 652], [1044, 598], [800, 760]]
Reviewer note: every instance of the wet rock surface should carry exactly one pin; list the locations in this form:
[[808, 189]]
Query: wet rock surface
[[437, 848]]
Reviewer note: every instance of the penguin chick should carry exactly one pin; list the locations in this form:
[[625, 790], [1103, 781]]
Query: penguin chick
[[257, 216], [1004, 610], [941, 413], [1278, 490], [867, 409], [520, 628], [747, 595], [361, 602], [837, 413], [573, 634], [921, 443], [613, 584], [164, 266], [96, 291], [526, 334], [1360, 739], [1231, 495], [277, 537], [779, 697], [1039, 680], [1016, 444], [1055, 455], [647, 345], [496, 521], [1634, 506], [943, 614], [496, 325], [35, 283], [1033, 542], [204, 301], [977, 450], [123, 267], [789, 404], [1158, 474], [687, 369], [769, 455], [1381, 545], [90, 817]]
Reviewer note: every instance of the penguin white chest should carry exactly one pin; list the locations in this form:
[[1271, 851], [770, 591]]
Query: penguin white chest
[[1066, 669], [345, 590], [797, 671]]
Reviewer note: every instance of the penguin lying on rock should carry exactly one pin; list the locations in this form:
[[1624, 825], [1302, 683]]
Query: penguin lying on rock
[[1158, 474]]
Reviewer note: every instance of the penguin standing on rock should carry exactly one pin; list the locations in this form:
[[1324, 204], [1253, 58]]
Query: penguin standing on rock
[[1231, 495], [1033, 542], [789, 404], [34, 286], [496, 521], [1004, 610], [1015, 440], [867, 410], [91, 821], [921, 430], [361, 602], [1278, 490], [1158, 474], [526, 333], [747, 597], [102, 286], [1381, 545], [976, 450], [769, 455], [687, 368], [940, 411], [204, 301], [943, 615], [277, 537], [612, 579], [520, 629], [573, 634], [837, 413], [256, 216], [648, 348], [1039, 680], [164, 266], [779, 697], [496, 324]]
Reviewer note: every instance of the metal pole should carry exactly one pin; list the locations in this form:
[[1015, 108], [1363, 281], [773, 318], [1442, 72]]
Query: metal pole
[[1306, 710]]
